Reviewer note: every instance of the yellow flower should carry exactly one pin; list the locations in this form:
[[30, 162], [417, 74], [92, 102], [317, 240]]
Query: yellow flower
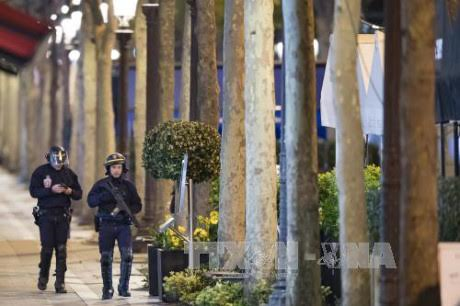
[[214, 217], [175, 241], [198, 231], [200, 234], [181, 229], [201, 220]]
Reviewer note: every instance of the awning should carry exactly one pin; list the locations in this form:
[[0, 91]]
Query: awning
[[20, 36]]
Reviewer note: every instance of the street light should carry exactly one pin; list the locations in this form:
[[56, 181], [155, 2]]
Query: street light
[[71, 26], [124, 11], [76, 17], [114, 54], [279, 49], [74, 55], [104, 7], [65, 9], [59, 34]]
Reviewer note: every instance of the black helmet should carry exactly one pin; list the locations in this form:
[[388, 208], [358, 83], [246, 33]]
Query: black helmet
[[115, 159], [57, 157]]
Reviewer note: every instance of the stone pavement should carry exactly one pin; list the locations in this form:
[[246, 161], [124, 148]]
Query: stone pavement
[[19, 256]]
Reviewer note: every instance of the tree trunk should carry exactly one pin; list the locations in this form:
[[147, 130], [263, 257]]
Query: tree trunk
[[15, 126], [4, 119], [162, 188], [86, 124], [140, 41], [104, 35], [349, 153], [207, 86], [304, 281], [232, 174], [66, 118], [260, 142], [23, 85], [41, 113], [34, 95], [54, 89], [419, 280], [391, 168], [62, 83], [184, 104], [76, 113], [324, 17], [30, 96]]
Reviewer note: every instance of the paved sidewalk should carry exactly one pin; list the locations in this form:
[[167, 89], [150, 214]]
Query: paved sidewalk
[[19, 256]]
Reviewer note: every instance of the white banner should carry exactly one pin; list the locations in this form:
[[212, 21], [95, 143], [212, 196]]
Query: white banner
[[369, 70]]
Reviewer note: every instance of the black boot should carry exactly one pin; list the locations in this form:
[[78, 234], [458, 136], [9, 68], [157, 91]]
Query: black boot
[[44, 265], [125, 271], [61, 267], [106, 271]]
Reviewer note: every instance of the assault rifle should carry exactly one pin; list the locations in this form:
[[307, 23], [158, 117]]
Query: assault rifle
[[121, 203]]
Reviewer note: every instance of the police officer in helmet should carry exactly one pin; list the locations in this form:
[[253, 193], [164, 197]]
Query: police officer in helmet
[[114, 225], [54, 184]]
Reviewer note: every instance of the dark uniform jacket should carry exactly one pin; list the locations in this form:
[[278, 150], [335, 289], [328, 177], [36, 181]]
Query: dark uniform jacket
[[46, 198], [101, 197]]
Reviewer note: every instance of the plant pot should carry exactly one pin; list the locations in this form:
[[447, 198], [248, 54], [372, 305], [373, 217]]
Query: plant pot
[[162, 263]]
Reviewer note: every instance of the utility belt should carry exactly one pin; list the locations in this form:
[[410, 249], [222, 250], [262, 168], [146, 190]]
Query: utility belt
[[39, 212], [100, 220]]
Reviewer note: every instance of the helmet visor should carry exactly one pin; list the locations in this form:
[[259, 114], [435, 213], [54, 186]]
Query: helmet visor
[[59, 159]]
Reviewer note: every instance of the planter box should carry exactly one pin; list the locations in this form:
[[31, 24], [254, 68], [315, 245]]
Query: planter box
[[162, 262]]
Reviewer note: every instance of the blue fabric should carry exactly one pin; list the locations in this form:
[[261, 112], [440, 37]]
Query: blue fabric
[[109, 233]]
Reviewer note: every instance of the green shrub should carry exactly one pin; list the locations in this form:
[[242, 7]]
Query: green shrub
[[214, 195], [166, 144], [261, 292], [185, 286], [326, 291], [449, 209], [329, 202], [222, 294], [373, 214]]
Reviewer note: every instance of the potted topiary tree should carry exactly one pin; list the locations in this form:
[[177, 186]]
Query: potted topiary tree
[[166, 144], [164, 149]]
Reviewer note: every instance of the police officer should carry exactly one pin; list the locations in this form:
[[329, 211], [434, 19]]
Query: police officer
[[54, 185], [115, 226]]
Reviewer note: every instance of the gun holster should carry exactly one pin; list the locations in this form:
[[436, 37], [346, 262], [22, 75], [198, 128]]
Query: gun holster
[[36, 214]]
